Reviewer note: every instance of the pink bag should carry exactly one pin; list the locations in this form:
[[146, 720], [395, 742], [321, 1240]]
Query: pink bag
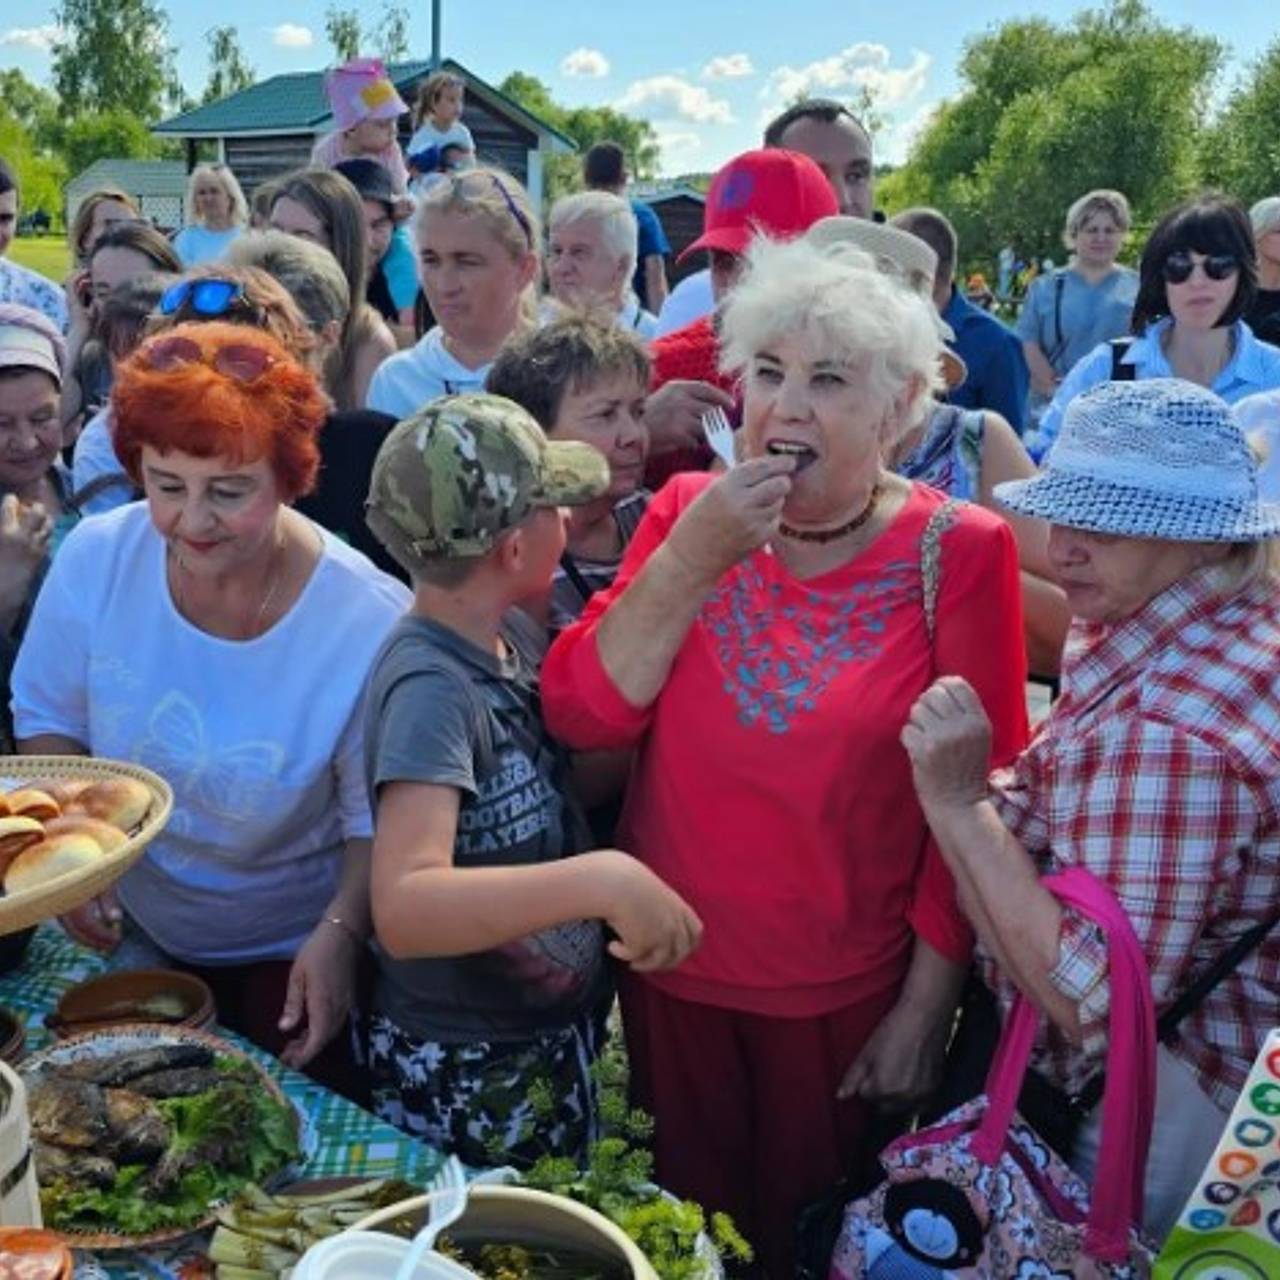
[[979, 1196]]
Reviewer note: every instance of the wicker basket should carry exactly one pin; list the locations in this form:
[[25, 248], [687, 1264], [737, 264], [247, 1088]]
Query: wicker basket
[[19, 910]]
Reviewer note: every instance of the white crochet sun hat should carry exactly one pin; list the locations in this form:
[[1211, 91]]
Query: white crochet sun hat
[[1154, 458]]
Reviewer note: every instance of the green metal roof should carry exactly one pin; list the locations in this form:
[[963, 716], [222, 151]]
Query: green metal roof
[[137, 177], [295, 103]]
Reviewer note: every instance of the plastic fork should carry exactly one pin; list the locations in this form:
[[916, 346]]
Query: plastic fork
[[448, 1191], [719, 435]]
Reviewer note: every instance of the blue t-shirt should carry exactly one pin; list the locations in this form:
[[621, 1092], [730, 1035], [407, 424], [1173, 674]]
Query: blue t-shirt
[[998, 375], [195, 244], [650, 239]]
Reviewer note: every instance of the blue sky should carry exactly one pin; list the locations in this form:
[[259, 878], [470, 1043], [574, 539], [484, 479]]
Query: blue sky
[[706, 72]]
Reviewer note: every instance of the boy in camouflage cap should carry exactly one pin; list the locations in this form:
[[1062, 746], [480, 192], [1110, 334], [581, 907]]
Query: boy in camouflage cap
[[492, 981]]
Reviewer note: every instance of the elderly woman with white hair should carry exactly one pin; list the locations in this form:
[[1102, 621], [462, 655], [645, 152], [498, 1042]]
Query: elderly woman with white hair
[[1158, 769], [1263, 317], [216, 213], [760, 648], [592, 256]]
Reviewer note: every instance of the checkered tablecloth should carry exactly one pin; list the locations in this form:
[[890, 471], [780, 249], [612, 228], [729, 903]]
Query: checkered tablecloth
[[342, 1139]]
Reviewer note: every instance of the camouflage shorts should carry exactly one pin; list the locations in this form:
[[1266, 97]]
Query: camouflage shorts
[[489, 1103]]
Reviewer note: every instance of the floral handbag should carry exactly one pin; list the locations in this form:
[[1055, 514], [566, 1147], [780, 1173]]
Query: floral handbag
[[979, 1196]]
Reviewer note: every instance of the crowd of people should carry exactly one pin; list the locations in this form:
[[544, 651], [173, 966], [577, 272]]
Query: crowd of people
[[389, 531]]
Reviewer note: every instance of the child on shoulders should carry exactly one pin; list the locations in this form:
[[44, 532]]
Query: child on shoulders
[[441, 142], [490, 916], [365, 108]]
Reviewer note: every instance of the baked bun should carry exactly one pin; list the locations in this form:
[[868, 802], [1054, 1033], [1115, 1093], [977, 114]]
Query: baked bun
[[123, 802], [109, 838], [32, 803], [52, 857], [17, 834], [63, 790]]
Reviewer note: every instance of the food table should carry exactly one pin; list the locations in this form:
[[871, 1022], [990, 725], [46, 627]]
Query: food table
[[340, 1139]]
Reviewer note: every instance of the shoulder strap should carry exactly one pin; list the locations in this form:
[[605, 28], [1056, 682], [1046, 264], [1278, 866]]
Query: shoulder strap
[[100, 484], [931, 563], [1059, 287], [575, 576], [1120, 371]]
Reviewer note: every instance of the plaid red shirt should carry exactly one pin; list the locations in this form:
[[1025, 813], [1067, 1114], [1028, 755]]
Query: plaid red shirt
[[1159, 771]]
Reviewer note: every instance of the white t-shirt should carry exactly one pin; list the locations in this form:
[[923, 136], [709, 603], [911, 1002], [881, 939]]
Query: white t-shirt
[[261, 740], [195, 244], [408, 380], [690, 300]]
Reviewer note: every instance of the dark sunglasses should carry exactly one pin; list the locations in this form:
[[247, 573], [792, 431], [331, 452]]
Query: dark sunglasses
[[1178, 266], [204, 297], [238, 361], [460, 179]]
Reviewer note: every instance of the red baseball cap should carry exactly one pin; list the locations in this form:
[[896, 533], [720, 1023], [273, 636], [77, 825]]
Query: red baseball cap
[[771, 192]]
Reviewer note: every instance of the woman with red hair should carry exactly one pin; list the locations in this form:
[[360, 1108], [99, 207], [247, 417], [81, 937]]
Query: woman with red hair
[[223, 639]]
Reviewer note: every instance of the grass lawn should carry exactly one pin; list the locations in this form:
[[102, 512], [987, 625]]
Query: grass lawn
[[46, 254]]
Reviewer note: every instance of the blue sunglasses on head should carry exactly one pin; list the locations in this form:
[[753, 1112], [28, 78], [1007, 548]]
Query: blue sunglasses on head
[[204, 297]]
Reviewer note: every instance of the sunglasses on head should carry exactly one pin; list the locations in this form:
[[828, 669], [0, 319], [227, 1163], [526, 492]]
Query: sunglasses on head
[[458, 179], [203, 297], [238, 361], [1179, 265]]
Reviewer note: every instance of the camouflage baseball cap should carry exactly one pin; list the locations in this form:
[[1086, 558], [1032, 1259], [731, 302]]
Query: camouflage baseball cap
[[452, 477]]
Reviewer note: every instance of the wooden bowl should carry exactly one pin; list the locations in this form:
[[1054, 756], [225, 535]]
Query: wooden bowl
[[13, 1037], [165, 996]]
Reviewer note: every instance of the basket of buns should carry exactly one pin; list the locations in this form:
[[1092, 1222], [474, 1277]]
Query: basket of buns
[[70, 826]]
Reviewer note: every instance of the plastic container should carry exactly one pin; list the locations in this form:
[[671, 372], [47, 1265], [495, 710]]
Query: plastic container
[[371, 1255], [20, 1201]]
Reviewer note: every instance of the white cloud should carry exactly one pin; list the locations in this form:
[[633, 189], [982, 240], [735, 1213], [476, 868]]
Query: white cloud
[[41, 39], [894, 145], [678, 150], [585, 64], [861, 65], [728, 66], [288, 35], [672, 97]]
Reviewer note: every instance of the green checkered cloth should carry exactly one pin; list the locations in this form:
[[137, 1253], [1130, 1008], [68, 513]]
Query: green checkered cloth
[[343, 1140]]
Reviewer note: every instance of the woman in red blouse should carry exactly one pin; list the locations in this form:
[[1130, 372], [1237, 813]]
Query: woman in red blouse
[[760, 649]]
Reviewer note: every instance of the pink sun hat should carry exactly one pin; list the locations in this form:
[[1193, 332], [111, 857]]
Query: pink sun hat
[[360, 90]]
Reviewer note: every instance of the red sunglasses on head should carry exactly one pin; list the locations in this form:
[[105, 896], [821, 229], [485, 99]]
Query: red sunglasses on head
[[237, 360]]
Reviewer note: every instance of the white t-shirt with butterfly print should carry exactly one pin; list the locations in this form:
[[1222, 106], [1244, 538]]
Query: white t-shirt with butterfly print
[[261, 740]]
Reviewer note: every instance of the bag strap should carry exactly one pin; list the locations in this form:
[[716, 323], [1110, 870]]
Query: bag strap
[[931, 563], [1115, 1201], [575, 576], [1189, 1001], [1059, 287]]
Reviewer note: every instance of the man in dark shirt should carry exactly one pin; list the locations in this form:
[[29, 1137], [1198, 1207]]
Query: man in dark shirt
[[998, 376], [604, 168]]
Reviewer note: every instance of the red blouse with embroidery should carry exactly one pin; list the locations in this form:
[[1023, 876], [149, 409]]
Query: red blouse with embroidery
[[770, 788]]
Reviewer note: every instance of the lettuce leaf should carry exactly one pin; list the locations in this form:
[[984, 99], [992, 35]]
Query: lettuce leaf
[[244, 1131]]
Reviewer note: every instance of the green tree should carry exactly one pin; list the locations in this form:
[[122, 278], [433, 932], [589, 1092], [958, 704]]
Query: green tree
[[393, 32], [114, 55], [40, 175], [1241, 151], [586, 126], [32, 105], [1113, 99], [229, 71], [342, 26], [106, 135]]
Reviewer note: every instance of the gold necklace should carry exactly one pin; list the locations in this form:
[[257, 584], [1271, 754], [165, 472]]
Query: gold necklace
[[273, 583], [840, 531]]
